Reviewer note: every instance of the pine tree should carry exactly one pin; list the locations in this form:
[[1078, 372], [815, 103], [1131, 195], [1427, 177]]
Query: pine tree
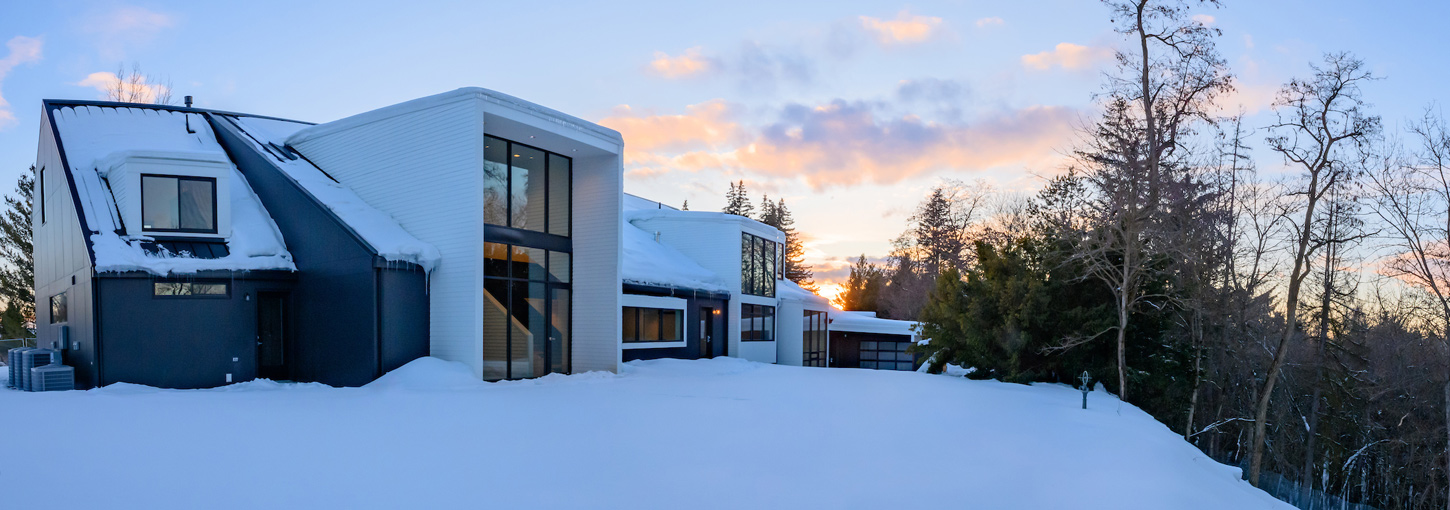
[[12, 324], [685, 206], [863, 287], [769, 214], [796, 269], [737, 202], [17, 267], [937, 241]]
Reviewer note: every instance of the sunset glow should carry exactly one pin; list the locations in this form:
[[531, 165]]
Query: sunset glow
[[831, 291]]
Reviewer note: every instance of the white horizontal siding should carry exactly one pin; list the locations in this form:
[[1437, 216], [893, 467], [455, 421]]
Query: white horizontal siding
[[597, 233], [424, 169]]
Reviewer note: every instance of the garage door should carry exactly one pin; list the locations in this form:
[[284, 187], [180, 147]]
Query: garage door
[[886, 355]]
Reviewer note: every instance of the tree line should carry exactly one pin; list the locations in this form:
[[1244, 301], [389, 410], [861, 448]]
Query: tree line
[[1294, 325]]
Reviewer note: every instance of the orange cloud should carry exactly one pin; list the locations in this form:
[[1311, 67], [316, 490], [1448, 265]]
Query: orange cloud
[[705, 125], [691, 63], [844, 143], [23, 50], [1067, 56], [905, 29]]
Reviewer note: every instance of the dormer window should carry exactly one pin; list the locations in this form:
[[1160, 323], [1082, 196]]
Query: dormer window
[[171, 203]]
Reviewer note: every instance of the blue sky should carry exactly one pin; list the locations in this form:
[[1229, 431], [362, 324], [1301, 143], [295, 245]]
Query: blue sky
[[849, 110]]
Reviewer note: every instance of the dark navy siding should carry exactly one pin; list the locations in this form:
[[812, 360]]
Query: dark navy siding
[[404, 305], [179, 342], [691, 350], [336, 303]]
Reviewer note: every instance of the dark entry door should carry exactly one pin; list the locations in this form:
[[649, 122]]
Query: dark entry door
[[707, 332], [272, 341]]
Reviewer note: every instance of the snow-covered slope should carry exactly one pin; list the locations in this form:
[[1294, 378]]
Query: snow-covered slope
[[721, 433]]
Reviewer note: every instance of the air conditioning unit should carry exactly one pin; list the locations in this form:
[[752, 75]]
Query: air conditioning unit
[[31, 359], [53, 377], [12, 365]]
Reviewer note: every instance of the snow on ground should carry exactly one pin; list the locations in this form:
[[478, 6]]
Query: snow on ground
[[721, 433]]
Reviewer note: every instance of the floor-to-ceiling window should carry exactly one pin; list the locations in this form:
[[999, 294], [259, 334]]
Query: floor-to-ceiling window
[[813, 339], [527, 261]]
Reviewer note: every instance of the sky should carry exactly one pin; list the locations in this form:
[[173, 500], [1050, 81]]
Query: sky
[[851, 111]]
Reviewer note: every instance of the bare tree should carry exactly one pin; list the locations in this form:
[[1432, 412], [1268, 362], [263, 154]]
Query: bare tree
[[1413, 200], [134, 86], [1166, 82], [1320, 122]]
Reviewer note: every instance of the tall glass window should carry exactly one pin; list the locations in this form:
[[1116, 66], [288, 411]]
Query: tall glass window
[[527, 260], [757, 265], [813, 339], [526, 313], [526, 188]]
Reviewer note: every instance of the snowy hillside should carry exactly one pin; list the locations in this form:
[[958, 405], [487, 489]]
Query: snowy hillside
[[720, 433]]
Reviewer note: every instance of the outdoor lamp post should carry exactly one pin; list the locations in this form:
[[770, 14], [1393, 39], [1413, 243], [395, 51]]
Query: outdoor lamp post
[[1085, 388]]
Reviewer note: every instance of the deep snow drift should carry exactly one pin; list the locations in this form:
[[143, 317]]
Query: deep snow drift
[[721, 433]]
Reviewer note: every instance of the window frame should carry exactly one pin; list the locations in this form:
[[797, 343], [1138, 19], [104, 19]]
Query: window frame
[[748, 313], [64, 307], [40, 197], [639, 323], [757, 265], [551, 284], [814, 333], [548, 189], [178, 178], [226, 285]]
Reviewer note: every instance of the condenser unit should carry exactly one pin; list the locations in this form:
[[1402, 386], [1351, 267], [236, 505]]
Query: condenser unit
[[31, 359], [12, 366], [53, 377]]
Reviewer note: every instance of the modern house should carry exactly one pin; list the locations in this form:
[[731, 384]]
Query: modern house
[[702, 284], [185, 247]]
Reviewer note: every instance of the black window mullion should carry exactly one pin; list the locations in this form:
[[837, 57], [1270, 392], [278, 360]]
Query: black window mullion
[[508, 313]]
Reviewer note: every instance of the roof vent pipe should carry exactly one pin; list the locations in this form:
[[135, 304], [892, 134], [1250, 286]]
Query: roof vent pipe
[[188, 116]]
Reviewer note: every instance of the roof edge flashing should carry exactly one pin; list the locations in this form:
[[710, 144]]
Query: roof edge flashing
[[446, 98]]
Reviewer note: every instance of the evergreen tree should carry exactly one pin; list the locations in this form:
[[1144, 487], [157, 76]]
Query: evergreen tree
[[938, 241], [769, 214], [17, 267], [685, 206], [12, 324], [796, 269], [737, 202], [863, 287]]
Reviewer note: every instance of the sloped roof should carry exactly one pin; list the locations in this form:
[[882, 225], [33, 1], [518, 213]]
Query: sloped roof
[[377, 228], [645, 261], [95, 138]]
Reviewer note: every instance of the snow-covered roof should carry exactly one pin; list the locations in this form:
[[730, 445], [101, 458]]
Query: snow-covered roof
[[786, 289], [450, 97], [97, 138], [636, 202], [633, 215], [867, 322], [646, 261], [379, 229]]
